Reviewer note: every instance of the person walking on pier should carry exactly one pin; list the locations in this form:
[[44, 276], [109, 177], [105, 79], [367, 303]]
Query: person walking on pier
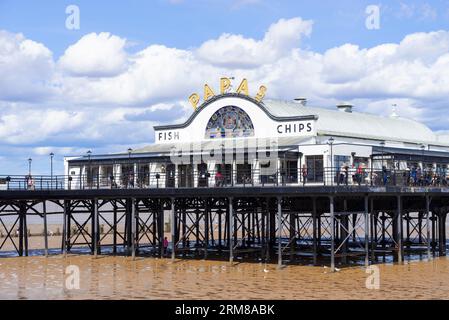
[[304, 174], [384, 175], [219, 179]]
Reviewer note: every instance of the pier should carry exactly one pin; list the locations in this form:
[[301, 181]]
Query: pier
[[337, 225]]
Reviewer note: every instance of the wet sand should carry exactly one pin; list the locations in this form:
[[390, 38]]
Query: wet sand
[[108, 277]]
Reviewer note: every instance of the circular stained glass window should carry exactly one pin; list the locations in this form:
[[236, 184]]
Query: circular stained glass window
[[229, 122]]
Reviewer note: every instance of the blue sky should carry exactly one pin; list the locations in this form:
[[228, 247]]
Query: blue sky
[[137, 61], [188, 23]]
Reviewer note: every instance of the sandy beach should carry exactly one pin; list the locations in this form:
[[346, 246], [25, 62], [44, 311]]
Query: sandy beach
[[108, 277], [119, 277]]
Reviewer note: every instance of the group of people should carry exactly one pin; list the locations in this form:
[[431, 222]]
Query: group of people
[[418, 177]]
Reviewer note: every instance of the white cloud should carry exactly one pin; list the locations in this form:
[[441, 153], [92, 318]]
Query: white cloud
[[26, 68], [95, 55], [236, 51]]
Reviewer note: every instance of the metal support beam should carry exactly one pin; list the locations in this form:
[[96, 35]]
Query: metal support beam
[[172, 228], [315, 233], [44, 212], [399, 229], [367, 227], [161, 229], [428, 226], [64, 228], [133, 228], [279, 216], [332, 231], [231, 231], [95, 226], [441, 234]]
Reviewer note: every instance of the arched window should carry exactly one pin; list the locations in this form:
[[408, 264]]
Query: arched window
[[229, 122]]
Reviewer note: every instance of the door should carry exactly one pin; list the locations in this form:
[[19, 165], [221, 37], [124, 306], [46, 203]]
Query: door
[[185, 176], [203, 175], [170, 175]]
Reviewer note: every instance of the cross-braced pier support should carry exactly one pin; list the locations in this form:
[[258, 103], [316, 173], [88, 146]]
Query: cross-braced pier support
[[319, 229]]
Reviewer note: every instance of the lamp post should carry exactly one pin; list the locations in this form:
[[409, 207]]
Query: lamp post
[[29, 166], [423, 147], [51, 169], [130, 167], [89, 153], [331, 143], [382, 144]]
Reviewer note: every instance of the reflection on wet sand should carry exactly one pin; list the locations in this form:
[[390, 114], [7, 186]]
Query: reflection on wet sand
[[108, 277]]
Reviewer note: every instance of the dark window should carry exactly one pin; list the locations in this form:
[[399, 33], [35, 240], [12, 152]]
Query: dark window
[[314, 168], [244, 174]]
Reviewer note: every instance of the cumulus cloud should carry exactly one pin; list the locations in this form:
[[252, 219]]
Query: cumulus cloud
[[236, 51], [98, 95], [95, 55], [26, 68]]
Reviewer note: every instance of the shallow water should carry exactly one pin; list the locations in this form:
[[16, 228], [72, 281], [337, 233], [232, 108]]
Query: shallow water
[[108, 277]]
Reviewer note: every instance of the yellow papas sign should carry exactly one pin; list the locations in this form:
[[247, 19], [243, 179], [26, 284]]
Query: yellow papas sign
[[225, 85]]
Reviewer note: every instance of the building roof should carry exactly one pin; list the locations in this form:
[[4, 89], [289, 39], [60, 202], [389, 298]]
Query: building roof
[[358, 124]]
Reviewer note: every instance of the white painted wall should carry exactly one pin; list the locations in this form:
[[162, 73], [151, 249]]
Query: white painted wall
[[264, 126]]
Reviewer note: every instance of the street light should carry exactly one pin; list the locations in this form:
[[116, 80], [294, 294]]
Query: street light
[[331, 143], [130, 169], [382, 144], [51, 169], [89, 153], [29, 166], [423, 147]]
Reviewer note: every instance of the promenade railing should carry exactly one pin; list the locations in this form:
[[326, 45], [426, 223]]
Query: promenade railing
[[219, 178]]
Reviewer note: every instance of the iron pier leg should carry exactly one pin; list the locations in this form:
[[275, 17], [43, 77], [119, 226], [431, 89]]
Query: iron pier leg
[[344, 227], [25, 230], [44, 209], [268, 231], [172, 228], [331, 209], [231, 230], [373, 232], [367, 227], [114, 229], [428, 226], [133, 227], [279, 216], [292, 236], [399, 230], [161, 230], [407, 230], [219, 213], [21, 214], [64, 229], [95, 227], [442, 233], [206, 227], [315, 235]]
